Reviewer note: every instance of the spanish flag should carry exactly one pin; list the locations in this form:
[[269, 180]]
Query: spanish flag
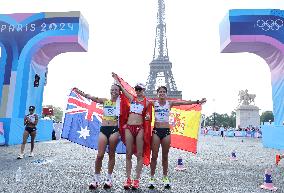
[[184, 125]]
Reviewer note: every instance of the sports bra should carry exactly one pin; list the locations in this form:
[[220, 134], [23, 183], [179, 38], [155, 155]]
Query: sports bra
[[162, 113]]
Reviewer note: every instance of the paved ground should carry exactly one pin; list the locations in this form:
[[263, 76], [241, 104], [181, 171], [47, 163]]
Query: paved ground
[[70, 168]]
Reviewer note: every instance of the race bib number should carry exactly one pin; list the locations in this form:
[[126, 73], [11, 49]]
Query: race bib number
[[136, 108], [162, 116], [109, 111]]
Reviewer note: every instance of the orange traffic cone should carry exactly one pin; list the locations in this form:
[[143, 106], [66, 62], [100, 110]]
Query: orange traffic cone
[[180, 166], [268, 184]]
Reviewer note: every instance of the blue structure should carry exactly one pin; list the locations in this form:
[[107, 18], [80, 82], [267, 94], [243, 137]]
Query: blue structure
[[2, 139], [260, 32], [28, 42]]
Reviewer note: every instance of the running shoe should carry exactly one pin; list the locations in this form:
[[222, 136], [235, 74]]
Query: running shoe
[[94, 185], [20, 156], [277, 159], [108, 184], [152, 183], [31, 154], [127, 184], [135, 184], [166, 182]]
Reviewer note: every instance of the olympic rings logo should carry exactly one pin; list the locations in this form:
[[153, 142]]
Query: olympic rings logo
[[270, 24]]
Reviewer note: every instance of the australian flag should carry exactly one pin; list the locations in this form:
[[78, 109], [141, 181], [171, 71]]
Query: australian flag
[[83, 118]]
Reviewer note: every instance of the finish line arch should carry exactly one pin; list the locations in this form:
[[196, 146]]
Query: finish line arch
[[28, 42], [260, 32]]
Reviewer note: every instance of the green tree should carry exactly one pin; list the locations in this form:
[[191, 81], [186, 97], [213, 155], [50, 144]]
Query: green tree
[[233, 119], [266, 116], [221, 119]]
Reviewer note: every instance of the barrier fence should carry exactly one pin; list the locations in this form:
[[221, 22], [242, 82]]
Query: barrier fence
[[253, 134]]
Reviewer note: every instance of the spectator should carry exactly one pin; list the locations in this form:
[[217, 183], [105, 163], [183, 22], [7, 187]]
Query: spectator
[[30, 121]]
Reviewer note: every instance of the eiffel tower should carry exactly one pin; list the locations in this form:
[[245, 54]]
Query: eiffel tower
[[160, 67]]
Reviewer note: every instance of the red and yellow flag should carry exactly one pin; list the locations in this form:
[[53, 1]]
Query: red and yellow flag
[[184, 124]]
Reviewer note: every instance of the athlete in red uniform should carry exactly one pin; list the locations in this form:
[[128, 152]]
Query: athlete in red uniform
[[134, 132]]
